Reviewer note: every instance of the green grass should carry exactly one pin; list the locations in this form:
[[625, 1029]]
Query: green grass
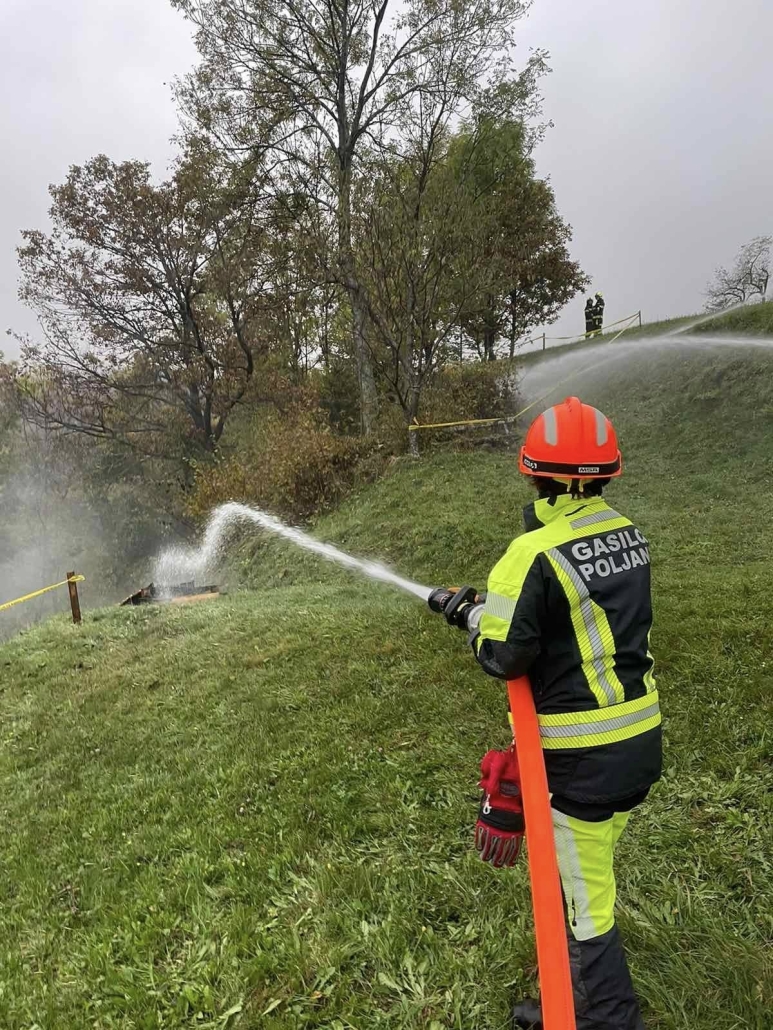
[[756, 320], [659, 328], [256, 813]]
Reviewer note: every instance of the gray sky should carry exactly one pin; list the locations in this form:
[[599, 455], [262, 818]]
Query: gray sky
[[661, 155], [78, 78]]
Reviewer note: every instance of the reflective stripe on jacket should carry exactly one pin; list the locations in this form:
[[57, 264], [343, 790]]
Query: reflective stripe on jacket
[[569, 604]]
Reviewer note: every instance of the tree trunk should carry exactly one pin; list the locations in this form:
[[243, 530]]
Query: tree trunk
[[512, 324], [489, 343], [490, 334], [365, 375], [413, 410]]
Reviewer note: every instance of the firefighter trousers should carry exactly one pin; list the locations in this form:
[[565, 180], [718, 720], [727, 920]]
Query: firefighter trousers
[[604, 997]]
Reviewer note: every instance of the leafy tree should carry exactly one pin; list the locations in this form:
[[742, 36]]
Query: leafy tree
[[748, 278], [317, 82], [522, 240], [415, 251], [152, 301], [457, 236]]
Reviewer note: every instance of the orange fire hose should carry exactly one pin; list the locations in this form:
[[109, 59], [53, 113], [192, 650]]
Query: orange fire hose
[[552, 952]]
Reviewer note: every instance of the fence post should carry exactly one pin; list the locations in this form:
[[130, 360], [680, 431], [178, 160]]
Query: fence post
[[543, 341], [640, 318], [75, 604]]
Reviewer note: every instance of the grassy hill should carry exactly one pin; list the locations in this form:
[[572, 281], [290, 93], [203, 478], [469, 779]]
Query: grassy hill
[[256, 813], [755, 320]]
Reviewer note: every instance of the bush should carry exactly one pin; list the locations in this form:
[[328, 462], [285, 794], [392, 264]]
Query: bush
[[469, 391], [290, 464]]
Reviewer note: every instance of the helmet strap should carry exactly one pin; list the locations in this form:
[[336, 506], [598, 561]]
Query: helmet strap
[[549, 489], [575, 490]]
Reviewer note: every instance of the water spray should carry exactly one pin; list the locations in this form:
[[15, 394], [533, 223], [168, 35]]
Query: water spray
[[702, 319], [192, 562], [182, 562]]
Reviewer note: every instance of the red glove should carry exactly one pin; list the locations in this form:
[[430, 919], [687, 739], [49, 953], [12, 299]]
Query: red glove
[[500, 828]]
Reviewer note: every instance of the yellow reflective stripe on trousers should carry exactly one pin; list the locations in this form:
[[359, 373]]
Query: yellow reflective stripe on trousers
[[585, 853], [593, 633], [608, 725], [649, 676], [576, 895]]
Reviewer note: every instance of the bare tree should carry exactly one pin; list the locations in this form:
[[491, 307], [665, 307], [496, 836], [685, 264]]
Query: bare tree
[[314, 82], [748, 278]]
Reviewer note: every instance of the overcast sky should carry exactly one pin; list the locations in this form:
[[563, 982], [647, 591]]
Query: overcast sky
[[78, 78], [661, 155]]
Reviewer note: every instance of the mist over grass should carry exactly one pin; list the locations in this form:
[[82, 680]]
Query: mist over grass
[[53, 521], [46, 532], [752, 319], [257, 813]]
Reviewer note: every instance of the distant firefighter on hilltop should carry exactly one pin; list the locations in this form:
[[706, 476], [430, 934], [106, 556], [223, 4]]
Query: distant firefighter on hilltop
[[590, 316], [598, 310]]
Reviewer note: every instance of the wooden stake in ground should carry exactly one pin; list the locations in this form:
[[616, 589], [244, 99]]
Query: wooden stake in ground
[[75, 604]]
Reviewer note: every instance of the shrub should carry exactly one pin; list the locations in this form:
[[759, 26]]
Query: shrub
[[290, 464], [469, 391]]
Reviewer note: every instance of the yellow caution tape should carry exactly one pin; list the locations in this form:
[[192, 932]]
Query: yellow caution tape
[[467, 422], [580, 336], [518, 414], [38, 593]]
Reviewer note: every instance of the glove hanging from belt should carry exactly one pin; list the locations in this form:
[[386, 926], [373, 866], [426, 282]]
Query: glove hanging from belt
[[500, 828]]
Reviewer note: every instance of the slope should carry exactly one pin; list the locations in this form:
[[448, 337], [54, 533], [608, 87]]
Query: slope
[[754, 319], [257, 813]]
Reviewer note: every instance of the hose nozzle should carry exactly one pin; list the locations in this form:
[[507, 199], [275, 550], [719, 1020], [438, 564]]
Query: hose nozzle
[[445, 600]]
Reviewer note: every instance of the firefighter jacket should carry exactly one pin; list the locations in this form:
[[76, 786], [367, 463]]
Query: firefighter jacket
[[569, 605]]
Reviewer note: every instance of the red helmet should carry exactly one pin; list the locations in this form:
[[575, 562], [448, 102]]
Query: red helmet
[[571, 440]]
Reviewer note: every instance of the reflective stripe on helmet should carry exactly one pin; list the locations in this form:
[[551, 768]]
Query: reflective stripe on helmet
[[558, 468], [602, 431], [551, 426]]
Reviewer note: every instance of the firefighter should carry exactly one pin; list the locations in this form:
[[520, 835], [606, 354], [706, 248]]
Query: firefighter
[[598, 310], [590, 316], [569, 605]]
